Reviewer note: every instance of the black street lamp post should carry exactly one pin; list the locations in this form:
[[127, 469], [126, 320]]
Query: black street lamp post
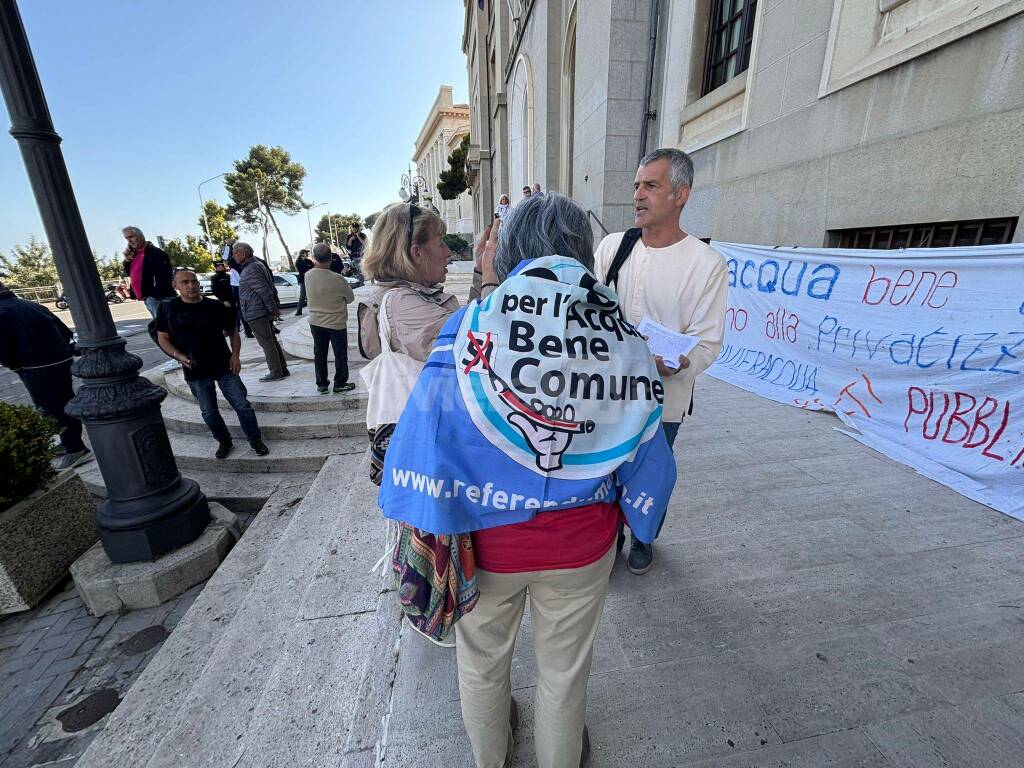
[[412, 186], [150, 508]]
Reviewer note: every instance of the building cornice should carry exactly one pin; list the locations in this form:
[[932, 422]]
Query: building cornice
[[430, 126]]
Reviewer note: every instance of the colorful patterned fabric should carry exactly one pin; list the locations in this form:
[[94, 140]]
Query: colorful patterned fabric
[[436, 580]]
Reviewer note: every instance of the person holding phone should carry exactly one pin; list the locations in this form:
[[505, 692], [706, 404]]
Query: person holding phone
[[503, 207]]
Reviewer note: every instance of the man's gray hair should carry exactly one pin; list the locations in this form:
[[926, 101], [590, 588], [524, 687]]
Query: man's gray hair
[[544, 225], [133, 231], [322, 253], [681, 172], [240, 246]]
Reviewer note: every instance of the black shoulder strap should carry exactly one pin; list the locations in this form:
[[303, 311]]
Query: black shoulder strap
[[629, 238]]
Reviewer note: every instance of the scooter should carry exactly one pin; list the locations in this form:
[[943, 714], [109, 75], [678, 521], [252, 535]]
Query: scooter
[[112, 295], [115, 295]]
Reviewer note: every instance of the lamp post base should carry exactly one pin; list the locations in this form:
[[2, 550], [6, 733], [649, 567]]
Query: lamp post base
[[177, 519]]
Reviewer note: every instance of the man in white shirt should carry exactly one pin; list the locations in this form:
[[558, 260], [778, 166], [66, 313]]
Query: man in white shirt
[[672, 278]]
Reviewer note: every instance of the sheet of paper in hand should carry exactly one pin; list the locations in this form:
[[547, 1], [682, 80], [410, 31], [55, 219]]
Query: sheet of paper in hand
[[665, 342]]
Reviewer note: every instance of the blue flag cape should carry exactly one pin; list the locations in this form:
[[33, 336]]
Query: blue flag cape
[[540, 397]]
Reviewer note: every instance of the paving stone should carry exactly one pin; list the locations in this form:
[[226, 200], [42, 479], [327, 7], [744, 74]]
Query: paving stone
[[16, 664], [795, 609], [814, 686], [55, 684], [73, 664], [44, 661], [101, 629], [844, 749], [980, 734], [51, 642], [30, 641], [154, 697], [12, 624], [63, 619]]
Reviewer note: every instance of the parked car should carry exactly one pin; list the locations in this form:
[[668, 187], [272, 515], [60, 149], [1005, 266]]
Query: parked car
[[355, 279], [204, 283], [287, 284]]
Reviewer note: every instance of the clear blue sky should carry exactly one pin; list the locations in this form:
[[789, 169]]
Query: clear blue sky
[[153, 97]]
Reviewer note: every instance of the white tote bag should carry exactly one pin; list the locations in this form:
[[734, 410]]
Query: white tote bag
[[389, 377]]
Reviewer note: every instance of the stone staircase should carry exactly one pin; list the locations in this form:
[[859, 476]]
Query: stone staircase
[[294, 601], [301, 427], [289, 654]]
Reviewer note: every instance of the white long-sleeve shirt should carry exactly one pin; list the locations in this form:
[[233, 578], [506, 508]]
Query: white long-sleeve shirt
[[684, 287]]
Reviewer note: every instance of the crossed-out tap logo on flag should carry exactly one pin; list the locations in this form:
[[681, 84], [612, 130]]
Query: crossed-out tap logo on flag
[[555, 378]]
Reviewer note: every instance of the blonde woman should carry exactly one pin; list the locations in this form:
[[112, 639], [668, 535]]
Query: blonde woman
[[408, 260], [503, 208]]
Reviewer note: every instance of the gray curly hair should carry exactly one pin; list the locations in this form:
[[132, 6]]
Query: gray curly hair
[[544, 225]]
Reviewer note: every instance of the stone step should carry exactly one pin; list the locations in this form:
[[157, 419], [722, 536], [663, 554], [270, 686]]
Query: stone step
[[236, 491], [241, 699], [183, 416], [137, 727], [196, 452], [297, 340], [297, 392]]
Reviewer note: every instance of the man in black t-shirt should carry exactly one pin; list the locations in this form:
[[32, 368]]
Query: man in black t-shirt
[[194, 331]]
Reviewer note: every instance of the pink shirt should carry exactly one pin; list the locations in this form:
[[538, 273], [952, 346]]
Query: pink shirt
[[135, 273]]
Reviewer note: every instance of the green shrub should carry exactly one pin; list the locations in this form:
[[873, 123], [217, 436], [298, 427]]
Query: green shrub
[[26, 452]]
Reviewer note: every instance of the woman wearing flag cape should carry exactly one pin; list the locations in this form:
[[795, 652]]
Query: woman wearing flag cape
[[535, 426]]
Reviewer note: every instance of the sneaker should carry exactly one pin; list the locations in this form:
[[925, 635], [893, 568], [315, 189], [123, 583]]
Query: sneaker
[[287, 372], [272, 377], [259, 447], [322, 390], [347, 387], [224, 449], [298, 314], [170, 365], [641, 557], [69, 460]]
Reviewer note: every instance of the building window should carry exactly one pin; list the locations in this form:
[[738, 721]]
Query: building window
[[730, 36], [942, 234]]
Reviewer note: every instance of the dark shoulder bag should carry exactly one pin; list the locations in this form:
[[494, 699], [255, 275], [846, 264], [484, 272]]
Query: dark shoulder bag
[[151, 326], [629, 238]]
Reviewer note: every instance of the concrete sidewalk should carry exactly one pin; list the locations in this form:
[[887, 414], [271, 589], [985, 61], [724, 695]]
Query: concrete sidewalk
[[812, 604]]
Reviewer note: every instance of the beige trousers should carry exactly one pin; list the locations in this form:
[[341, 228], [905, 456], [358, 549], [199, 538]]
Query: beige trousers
[[565, 610]]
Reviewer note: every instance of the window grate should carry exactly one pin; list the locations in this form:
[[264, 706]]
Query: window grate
[[730, 37], [942, 234]]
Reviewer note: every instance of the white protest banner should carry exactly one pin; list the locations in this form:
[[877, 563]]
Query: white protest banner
[[920, 350]]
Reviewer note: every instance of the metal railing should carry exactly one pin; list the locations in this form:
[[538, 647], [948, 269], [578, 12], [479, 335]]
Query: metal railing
[[592, 215], [40, 293]]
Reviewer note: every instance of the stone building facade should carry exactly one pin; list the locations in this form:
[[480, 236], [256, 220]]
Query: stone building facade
[[442, 132], [868, 123]]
